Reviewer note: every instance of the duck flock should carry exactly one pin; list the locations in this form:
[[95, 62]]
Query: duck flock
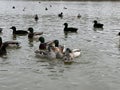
[[51, 49]]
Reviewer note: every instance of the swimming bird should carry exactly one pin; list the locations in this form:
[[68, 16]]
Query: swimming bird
[[58, 49], [46, 8], [13, 7], [49, 53], [10, 43], [97, 25], [36, 18], [18, 32], [78, 16], [60, 15], [69, 55], [69, 29], [32, 34]]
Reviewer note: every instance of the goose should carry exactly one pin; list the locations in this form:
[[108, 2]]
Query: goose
[[10, 43], [32, 34], [97, 25], [36, 18], [69, 29], [18, 32], [60, 15], [69, 55]]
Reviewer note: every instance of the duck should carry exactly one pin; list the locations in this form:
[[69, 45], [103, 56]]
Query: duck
[[97, 25], [49, 53], [36, 18], [57, 49], [43, 45], [78, 16], [18, 32], [46, 8], [69, 55], [13, 7], [10, 43], [32, 34], [69, 29], [60, 15]]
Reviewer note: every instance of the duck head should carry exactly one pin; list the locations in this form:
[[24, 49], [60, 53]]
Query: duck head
[[30, 29], [42, 40], [56, 43], [13, 28], [68, 50], [65, 24], [95, 21]]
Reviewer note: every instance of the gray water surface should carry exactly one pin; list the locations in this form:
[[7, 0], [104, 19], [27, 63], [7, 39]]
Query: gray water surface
[[98, 67]]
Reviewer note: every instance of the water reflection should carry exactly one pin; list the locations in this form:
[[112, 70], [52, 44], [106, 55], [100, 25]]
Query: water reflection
[[97, 29], [30, 40], [14, 37], [68, 33]]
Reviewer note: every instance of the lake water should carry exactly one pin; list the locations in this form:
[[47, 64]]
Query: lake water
[[98, 67]]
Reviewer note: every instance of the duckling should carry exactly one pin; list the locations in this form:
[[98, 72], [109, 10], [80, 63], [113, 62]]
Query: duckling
[[18, 32], [60, 15], [36, 18], [32, 34], [69, 29], [97, 25]]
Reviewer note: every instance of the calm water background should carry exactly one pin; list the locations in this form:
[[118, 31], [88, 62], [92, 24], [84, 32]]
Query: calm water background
[[98, 67]]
